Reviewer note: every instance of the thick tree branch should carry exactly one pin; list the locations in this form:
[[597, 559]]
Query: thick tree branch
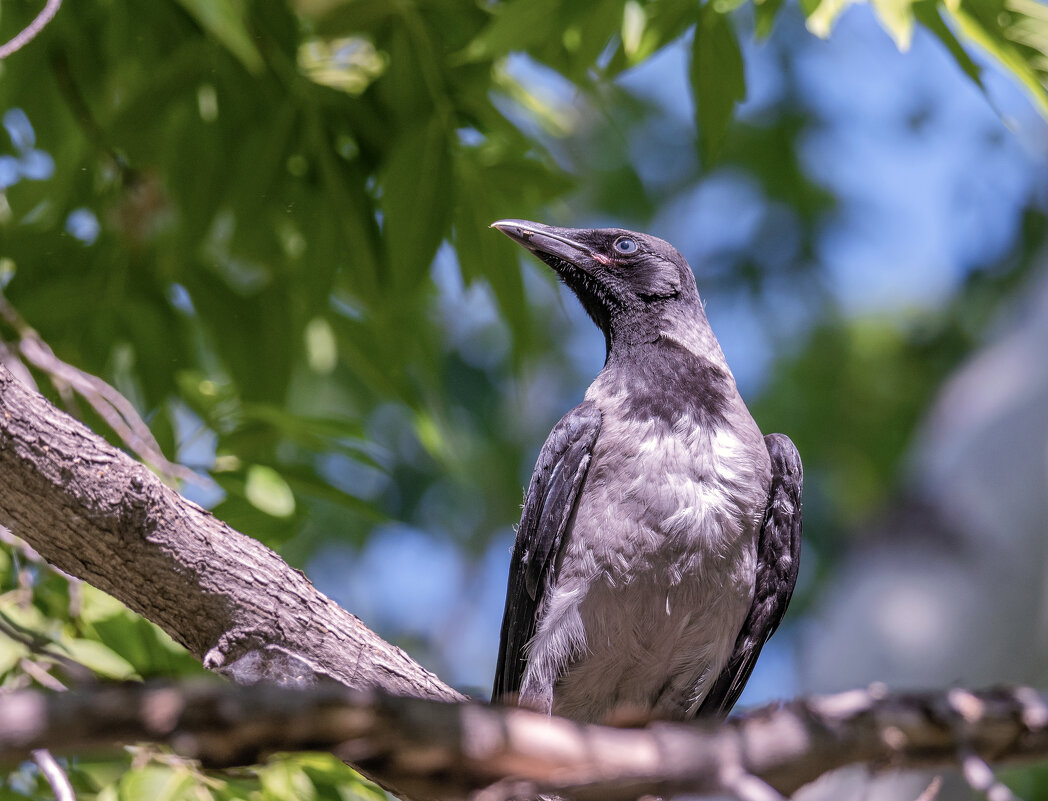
[[95, 513], [441, 750]]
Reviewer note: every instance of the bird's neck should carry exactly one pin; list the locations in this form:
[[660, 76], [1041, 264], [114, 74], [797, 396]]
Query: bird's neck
[[690, 332]]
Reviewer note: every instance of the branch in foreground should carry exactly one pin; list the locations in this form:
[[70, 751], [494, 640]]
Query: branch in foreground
[[444, 750], [95, 513]]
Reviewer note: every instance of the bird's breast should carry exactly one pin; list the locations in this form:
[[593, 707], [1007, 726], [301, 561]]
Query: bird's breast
[[674, 501], [660, 561]]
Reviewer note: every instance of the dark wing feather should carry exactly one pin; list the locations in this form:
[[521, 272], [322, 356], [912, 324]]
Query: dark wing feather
[[778, 559], [548, 506]]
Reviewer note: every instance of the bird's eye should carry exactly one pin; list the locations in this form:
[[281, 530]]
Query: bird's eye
[[625, 244]]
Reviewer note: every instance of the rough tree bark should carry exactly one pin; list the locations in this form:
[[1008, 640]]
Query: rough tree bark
[[92, 511]]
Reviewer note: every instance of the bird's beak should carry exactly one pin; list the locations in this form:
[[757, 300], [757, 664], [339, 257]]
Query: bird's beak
[[545, 240], [575, 262]]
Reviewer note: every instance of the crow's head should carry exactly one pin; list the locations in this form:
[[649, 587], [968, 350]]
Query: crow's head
[[629, 283]]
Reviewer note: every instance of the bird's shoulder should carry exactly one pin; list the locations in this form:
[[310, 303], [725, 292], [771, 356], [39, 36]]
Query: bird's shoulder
[[580, 424]]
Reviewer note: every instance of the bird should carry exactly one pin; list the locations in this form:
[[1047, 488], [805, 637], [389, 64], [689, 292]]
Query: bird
[[659, 541]]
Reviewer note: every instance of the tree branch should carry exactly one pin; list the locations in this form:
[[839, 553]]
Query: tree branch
[[95, 513], [443, 750]]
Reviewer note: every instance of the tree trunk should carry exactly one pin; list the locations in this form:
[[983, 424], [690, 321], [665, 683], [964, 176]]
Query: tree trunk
[[92, 511]]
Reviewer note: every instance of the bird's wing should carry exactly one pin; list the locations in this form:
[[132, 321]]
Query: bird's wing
[[778, 559], [548, 506]]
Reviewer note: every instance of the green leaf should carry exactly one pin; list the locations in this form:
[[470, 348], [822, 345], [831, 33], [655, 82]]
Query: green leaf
[[99, 659], [321, 347], [664, 22], [342, 434], [556, 119], [1015, 33], [765, 12], [268, 492], [718, 81], [225, 20], [633, 23], [348, 63], [416, 186], [10, 654], [305, 482], [514, 27], [146, 648], [335, 779], [929, 15], [157, 783], [823, 15], [896, 17], [286, 779], [483, 252]]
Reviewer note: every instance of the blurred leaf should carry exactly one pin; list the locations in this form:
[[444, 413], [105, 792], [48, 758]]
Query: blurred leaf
[[102, 660], [717, 78], [515, 26], [357, 15], [664, 22], [225, 20], [146, 648], [157, 783], [321, 347], [416, 185], [1015, 33], [349, 63], [328, 772], [823, 14], [634, 21], [765, 12], [286, 779], [315, 433], [10, 654], [929, 14], [896, 17], [268, 492], [150, 652], [555, 119], [483, 252], [307, 482]]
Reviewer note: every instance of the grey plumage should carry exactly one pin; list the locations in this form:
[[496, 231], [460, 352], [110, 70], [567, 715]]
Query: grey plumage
[[660, 537]]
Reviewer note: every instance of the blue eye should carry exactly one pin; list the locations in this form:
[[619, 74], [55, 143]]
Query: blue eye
[[625, 244]]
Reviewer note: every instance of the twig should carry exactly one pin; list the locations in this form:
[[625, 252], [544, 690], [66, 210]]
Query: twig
[[971, 710], [118, 413], [41, 675], [931, 792], [54, 774], [39, 645], [30, 31], [981, 778]]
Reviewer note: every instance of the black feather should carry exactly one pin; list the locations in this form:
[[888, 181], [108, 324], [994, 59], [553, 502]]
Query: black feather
[[548, 505]]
